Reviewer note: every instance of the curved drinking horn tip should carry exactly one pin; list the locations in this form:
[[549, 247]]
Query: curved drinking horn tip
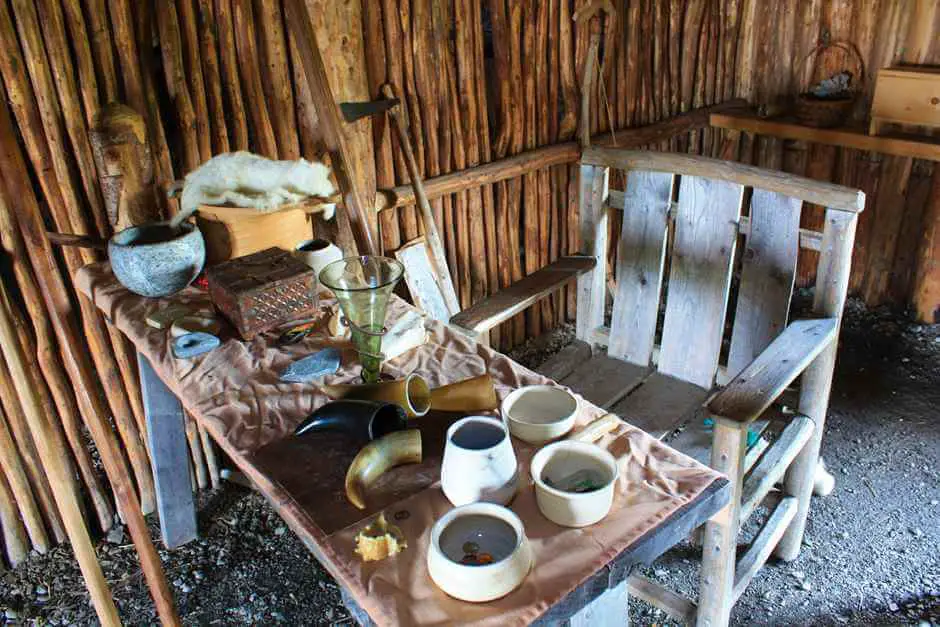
[[395, 449]]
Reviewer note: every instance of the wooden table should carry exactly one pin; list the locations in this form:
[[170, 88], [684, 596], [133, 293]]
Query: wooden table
[[600, 599]]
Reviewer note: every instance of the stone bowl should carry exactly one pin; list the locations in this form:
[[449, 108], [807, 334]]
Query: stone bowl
[[539, 413], [574, 482], [156, 260]]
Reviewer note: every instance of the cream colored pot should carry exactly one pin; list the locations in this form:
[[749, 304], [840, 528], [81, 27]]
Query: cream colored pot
[[574, 482], [479, 463], [479, 552], [539, 413]]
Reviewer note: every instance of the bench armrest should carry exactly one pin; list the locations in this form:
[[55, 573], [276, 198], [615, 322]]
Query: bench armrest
[[506, 303], [764, 379]]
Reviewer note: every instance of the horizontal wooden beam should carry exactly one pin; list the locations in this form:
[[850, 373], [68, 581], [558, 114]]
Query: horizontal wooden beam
[[506, 303], [858, 138], [556, 154], [674, 604], [819, 192], [760, 549]]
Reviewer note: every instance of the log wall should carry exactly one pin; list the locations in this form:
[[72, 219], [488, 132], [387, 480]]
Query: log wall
[[481, 80]]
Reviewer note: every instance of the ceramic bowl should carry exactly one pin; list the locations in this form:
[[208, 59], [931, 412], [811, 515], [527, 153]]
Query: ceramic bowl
[[479, 552], [539, 413], [574, 482]]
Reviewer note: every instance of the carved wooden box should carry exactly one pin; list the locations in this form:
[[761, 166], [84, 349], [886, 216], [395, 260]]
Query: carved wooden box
[[263, 290]]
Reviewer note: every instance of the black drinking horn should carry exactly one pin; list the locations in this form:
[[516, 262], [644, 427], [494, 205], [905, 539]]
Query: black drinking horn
[[365, 420]]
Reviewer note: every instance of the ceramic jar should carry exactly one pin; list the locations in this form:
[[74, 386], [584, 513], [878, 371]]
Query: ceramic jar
[[318, 253], [479, 463], [479, 552], [574, 482]]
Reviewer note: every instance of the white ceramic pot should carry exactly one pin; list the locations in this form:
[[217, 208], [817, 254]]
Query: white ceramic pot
[[561, 469], [539, 413], [479, 552], [318, 253], [479, 463]]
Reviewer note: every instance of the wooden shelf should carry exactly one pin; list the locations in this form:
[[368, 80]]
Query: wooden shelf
[[847, 137]]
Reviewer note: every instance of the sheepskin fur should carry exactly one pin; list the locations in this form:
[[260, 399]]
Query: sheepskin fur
[[243, 179]]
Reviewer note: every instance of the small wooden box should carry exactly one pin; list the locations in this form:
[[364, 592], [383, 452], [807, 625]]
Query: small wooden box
[[260, 291], [906, 96]]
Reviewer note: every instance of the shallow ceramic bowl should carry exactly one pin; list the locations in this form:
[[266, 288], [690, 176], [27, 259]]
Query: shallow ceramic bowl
[[154, 260], [539, 413], [557, 462], [482, 528]]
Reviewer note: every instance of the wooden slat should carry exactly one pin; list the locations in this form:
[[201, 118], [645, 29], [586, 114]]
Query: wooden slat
[[676, 605], [773, 463], [661, 404], [763, 544], [756, 387], [818, 192], [169, 457], [422, 281], [809, 239], [605, 380], [858, 138], [563, 363], [592, 290], [506, 303], [767, 276], [706, 231], [641, 254]]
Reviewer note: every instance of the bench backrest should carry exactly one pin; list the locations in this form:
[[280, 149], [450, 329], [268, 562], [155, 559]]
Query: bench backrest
[[692, 211]]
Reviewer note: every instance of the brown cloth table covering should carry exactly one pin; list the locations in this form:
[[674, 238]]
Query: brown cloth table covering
[[235, 393]]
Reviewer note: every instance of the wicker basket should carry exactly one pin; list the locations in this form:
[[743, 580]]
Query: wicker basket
[[828, 112]]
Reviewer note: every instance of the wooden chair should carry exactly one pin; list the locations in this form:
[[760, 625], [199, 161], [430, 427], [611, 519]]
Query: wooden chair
[[656, 372]]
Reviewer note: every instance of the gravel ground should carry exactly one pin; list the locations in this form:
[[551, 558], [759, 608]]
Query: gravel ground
[[871, 556]]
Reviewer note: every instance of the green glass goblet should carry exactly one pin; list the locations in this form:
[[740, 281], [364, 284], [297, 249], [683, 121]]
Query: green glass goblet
[[362, 286]]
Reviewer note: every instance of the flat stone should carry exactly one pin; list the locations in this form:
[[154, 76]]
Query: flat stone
[[194, 344], [321, 363]]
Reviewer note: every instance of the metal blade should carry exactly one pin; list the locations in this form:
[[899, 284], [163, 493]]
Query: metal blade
[[353, 111]]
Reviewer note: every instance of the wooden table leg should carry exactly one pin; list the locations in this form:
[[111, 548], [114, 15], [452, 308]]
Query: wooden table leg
[[169, 458], [612, 608]]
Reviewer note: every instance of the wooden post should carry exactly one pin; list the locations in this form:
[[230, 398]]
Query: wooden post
[[592, 286], [832, 280], [427, 216], [721, 532], [53, 462], [331, 124]]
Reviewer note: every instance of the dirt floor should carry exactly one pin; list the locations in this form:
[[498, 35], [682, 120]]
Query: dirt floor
[[871, 555]]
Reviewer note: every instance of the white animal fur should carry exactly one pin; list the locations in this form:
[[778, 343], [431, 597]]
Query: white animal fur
[[243, 179]]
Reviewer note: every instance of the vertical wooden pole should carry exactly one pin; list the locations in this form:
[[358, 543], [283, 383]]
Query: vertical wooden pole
[[832, 280], [592, 286], [357, 204], [76, 360], [53, 462], [721, 532]]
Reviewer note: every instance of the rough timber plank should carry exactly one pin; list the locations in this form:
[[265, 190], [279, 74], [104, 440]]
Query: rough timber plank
[[506, 303], [769, 268], [819, 192], [641, 254], [676, 605], [422, 281], [605, 380], [592, 290], [607, 610], [767, 538], [169, 456], [758, 385], [563, 363], [774, 462], [661, 404], [706, 231]]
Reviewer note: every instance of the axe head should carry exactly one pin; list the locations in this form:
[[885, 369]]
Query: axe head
[[353, 111]]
